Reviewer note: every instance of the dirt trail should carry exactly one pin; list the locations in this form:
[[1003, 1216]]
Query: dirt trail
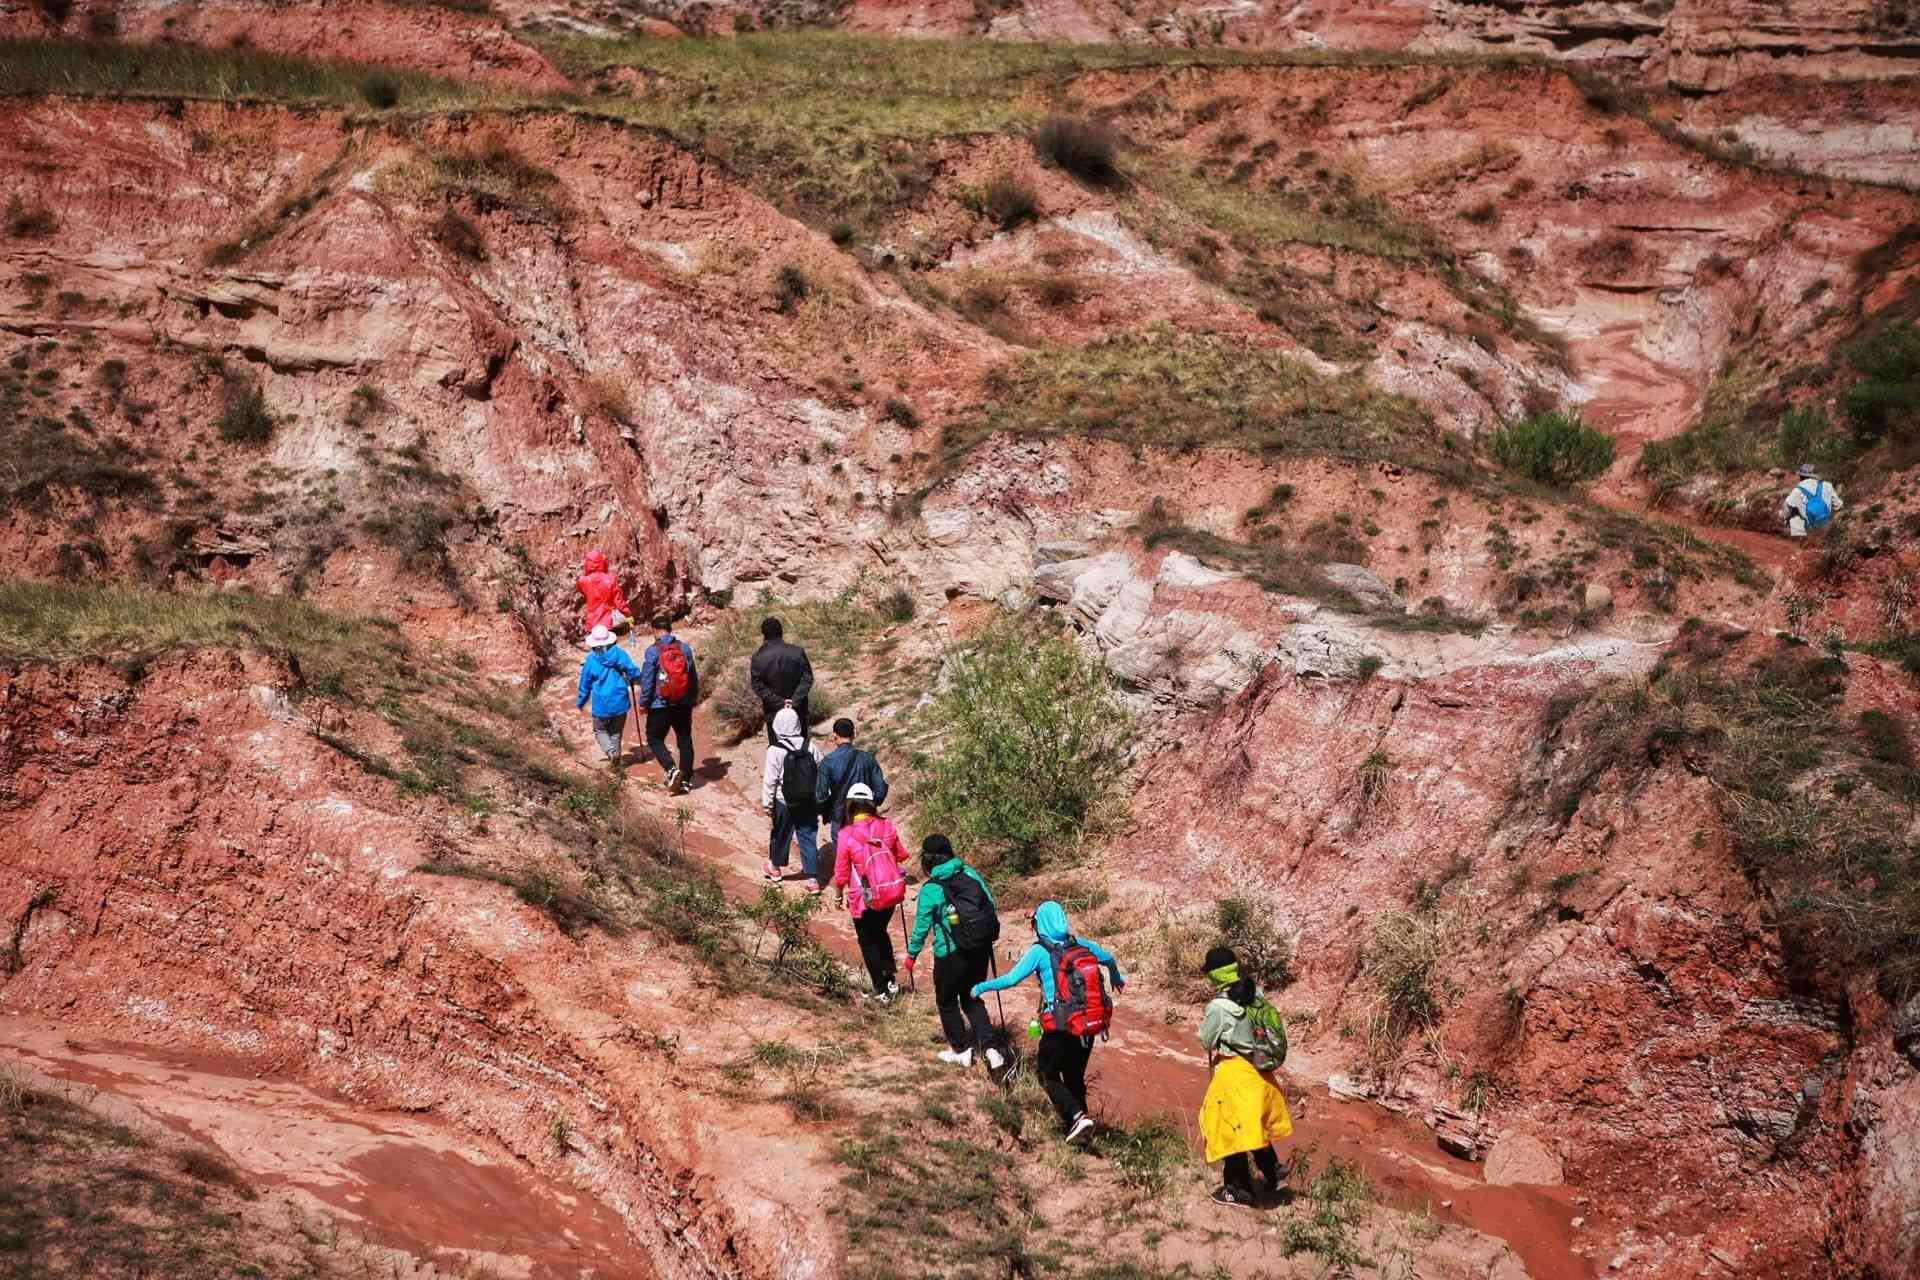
[[1638, 400], [1147, 1068], [405, 1181]]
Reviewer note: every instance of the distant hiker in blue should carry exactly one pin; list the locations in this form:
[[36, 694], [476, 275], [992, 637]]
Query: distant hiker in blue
[[603, 679], [1810, 505], [1074, 1008]]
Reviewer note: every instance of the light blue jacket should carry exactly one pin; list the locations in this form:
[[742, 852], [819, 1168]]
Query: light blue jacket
[[604, 676], [1050, 922]]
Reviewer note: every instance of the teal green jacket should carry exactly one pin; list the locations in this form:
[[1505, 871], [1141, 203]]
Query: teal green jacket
[[930, 910]]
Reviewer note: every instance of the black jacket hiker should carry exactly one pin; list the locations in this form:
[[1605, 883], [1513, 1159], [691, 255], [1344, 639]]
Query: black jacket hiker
[[778, 673]]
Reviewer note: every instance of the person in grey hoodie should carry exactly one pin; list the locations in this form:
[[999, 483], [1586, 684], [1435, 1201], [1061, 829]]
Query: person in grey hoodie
[[791, 822]]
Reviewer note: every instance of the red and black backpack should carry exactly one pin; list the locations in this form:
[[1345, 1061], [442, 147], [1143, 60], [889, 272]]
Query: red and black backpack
[[1080, 1003]]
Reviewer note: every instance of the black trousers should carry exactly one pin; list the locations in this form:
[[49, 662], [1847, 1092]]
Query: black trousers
[[876, 944], [1234, 1171], [963, 1016], [680, 720], [773, 709], [1062, 1063]]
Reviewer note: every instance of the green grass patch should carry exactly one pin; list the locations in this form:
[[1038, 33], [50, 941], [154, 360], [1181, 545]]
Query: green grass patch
[[1196, 390], [115, 68]]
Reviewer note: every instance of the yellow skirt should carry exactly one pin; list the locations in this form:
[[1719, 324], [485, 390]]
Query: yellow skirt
[[1243, 1110]]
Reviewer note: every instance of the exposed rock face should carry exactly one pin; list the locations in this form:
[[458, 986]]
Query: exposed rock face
[[1521, 1157]]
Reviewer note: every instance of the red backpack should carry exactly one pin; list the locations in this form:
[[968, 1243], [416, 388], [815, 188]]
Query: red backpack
[[674, 681], [1080, 1004]]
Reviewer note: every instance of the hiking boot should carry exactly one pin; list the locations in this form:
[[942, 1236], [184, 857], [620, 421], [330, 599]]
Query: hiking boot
[[773, 874], [1234, 1198], [1082, 1130], [893, 988], [963, 1058], [813, 886], [673, 781], [995, 1060]]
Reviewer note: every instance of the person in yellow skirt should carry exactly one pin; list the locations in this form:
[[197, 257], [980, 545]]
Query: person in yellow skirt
[[1244, 1111]]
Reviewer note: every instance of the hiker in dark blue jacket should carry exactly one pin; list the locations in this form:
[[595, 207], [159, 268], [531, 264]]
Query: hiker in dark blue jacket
[[604, 694], [845, 765], [669, 686]]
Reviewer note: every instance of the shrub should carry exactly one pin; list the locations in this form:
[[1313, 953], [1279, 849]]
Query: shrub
[[1033, 753], [789, 287], [1008, 201], [1081, 147], [1611, 255], [1484, 214], [1058, 291], [901, 412], [605, 395], [1554, 448], [458, 236], [897, 605], [841, 234], [1264, 952], [1885, 403], [1401, 970], [30, 222], [245, 419], [382, 93], [735, 708]]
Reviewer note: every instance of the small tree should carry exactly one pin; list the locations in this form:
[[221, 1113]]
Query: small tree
[[1033, 753], [1555, 448]]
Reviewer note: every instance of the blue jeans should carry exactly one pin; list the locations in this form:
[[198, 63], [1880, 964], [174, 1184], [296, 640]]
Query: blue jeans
[[786, 826]]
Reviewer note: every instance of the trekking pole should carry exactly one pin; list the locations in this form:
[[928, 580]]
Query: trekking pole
[[903, 942], [994, 965]]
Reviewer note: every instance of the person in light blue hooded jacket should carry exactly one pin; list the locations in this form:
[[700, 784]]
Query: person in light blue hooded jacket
[[1062, 1056], [603, 692]]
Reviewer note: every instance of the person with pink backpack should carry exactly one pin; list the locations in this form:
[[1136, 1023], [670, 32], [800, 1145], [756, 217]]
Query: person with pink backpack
[[868, 882]]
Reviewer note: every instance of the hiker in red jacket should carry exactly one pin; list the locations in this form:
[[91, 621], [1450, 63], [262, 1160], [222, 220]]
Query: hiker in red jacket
[[606, 603]]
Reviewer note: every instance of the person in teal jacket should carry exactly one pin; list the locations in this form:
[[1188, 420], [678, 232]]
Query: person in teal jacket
[[603, 691], [1062, 1056], [953, 892]]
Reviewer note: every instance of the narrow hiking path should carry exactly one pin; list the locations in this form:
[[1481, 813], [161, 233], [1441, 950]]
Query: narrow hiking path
[[1638, 400], [1151, 1066]]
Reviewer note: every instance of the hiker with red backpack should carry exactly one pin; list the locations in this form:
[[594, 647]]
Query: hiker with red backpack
[[956, 911], [869, 882], [786, 794], [1074, 1008], [1244, 1111], [669, 686]]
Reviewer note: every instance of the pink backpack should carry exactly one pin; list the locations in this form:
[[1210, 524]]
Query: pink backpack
[[878, 876]]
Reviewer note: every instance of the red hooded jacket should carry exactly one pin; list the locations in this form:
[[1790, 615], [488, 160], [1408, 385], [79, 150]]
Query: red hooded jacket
[[602, 590]]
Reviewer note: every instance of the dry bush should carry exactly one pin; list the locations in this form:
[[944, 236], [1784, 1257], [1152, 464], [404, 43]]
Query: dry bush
[[604, 395], [736, 712], [1008, 201], [1611, 255], [458, 236], [1083, 148], [1401, 972]]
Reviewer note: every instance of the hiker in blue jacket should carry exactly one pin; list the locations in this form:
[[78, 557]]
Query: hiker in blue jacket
[[843, 766], [1062, 1056], [603, 692], [1811, 504]]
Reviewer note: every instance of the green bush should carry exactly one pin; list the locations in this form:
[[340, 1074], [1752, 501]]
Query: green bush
[[245, 419], [1554, 448], [1033, 753], [1885, 403], [381, 92], [1807, 436]]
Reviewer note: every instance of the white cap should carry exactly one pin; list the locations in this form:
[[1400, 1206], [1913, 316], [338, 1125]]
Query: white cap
[[859, 791], [600, 638]]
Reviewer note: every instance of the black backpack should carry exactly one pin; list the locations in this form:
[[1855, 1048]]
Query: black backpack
[[968, 915], [798, 775]]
